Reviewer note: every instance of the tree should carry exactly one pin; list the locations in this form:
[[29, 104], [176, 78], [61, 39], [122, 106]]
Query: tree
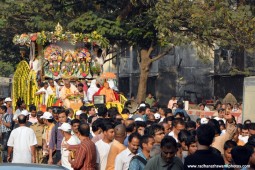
[[145, 24], [204, 24]]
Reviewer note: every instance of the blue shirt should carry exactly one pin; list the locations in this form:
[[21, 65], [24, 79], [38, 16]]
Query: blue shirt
[[182, 111], [136, 164]]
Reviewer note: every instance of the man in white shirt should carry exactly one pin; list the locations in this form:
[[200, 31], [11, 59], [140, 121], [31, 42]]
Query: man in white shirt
[[21, 106], [69, 139], [221, 113], [22, 143], [123, 158], [178, 125], [44, 92], [103, 145]]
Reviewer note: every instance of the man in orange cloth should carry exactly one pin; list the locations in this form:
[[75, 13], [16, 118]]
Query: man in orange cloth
[[110, 95], [69, 95]]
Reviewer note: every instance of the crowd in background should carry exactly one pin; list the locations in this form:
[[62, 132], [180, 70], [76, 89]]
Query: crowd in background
[[162, 137]]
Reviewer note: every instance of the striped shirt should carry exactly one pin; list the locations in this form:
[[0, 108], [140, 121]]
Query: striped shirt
[[6, 118], [85, 156]]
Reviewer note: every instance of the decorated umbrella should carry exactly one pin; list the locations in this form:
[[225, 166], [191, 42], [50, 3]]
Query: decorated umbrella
[[230, 98], [108, 75]]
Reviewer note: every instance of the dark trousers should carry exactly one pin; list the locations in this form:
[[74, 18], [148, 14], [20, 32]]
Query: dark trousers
[[4, 140], [57, 157]]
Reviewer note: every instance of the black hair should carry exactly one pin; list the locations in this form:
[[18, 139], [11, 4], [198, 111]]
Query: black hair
[[55, 109], [4, 108], [198, 121], [75, 121], [248, 121], [252, 126], [80, 84], [229, 144], [20, 102], [191, 124], [90, 119], [134, 135], [102, 111], [190, 140], [84, 129], [169, 142], [83, 108], [89, 108], [22, 119], [251, 140], [130, 127], [183, 135], [97, 124], [181, 114], [245, 127], [216, 126], [205, 134], [241, 155], [113, 112], [49, 108], [180, 104], [107, 125], [39, 113], [177, 121], [141, 109], [169, 118], [32, 107], [62, 110], [151, 131], [140, 124], [221, 122], [144, 139], [83, 116], [168, 111], [125, 111]]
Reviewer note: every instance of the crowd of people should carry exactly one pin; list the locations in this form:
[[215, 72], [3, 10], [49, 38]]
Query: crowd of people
[[151, 138]]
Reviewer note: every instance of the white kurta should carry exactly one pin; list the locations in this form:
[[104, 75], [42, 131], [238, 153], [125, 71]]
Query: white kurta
[[21, 139]]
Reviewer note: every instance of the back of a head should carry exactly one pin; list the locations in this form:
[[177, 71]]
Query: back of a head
[[83, 116], [183, 135], [229, 144], [22, 119], [113, 112], [205, 134], [4, 108], [153, 129], [102, 111], [168, 142], [241, 155], [180, 104], [97, 124], [177, 121], [107, 125], [191, 124], [216, 126], [251, 141], [252, 126], [120, 131], [84, 129]]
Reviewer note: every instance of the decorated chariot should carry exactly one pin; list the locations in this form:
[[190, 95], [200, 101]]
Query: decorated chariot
[[55, 55]]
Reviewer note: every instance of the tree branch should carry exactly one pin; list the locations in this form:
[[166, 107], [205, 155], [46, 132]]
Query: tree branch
[[162, 54], [114, 56]]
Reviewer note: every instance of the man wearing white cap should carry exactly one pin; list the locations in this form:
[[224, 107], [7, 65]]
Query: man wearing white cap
[[48, 121], [22, 142], [69, 139], [8, 103]]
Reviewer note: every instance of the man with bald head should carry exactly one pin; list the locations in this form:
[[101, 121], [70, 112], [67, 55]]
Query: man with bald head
[[22, 143], [117, 145]]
